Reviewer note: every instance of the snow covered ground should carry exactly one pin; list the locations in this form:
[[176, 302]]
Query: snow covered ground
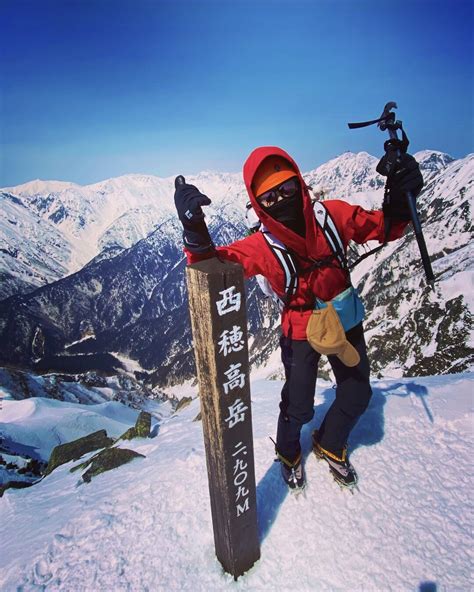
[[147, 525]]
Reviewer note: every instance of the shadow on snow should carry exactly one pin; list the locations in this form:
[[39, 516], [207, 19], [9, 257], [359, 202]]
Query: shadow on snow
[[369, 430]]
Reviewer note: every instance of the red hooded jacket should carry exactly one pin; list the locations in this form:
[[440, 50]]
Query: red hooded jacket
[[254, 254]]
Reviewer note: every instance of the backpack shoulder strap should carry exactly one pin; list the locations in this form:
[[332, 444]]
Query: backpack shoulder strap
[[285, 260], [323, 218], [326, 223]]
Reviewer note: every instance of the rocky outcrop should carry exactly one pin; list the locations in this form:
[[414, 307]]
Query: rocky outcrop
[[105, 460], [73, 450], [141, 429], [184, 402]]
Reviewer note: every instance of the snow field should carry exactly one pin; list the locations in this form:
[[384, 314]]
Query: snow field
[[147, 525]]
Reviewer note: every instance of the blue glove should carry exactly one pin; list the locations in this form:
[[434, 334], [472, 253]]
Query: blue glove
[[188, 201]]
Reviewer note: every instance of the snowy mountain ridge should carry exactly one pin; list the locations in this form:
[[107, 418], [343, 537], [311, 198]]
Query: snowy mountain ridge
[[132, 301], [32, 250], [120, 211]]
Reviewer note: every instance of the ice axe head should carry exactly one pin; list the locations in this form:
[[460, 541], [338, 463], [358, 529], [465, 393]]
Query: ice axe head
[[385, 121], [387, 116]]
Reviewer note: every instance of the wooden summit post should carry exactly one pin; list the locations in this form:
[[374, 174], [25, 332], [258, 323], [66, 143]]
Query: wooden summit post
[[219, 324]]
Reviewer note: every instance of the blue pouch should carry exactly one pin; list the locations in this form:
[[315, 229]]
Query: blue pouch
[[348, 306]]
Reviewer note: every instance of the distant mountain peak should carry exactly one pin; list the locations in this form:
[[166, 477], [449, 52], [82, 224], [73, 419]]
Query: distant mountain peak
[[38, 186]]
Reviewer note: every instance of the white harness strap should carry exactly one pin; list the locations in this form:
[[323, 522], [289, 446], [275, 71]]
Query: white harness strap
[[330, 232], [286, 262]]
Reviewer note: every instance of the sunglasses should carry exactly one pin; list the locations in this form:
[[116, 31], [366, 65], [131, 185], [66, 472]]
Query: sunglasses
[[287, 189]]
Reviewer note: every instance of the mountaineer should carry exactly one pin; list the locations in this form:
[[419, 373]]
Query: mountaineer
[[300, 249]]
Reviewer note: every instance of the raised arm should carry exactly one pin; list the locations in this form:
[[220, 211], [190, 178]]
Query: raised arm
[[362, 225], [197, 241]]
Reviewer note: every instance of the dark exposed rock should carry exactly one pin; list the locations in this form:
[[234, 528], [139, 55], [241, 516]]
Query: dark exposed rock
[[108, 459], [184, 402], [73, 450], [143, 425], [33, 467], [129, 434], [141, 429], [14, 485]]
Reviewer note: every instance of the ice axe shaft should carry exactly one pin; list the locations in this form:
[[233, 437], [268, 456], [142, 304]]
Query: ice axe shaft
[[415, 219]]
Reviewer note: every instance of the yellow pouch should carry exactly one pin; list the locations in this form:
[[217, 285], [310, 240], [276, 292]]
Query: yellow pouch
[[326, 335]]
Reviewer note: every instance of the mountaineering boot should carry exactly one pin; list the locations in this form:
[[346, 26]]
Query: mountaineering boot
[[341, 469], [292, 472]]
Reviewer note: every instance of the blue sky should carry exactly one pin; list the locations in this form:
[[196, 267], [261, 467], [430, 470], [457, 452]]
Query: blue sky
[[96, 89]]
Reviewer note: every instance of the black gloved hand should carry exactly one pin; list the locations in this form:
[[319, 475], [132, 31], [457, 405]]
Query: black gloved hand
[[403, 176], [188, 201]]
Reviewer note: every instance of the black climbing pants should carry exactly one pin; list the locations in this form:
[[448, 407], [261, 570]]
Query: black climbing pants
[[353, 394]]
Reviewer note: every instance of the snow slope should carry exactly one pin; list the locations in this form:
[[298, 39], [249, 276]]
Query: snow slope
[[147, 525], [41, 424], [32, 250]]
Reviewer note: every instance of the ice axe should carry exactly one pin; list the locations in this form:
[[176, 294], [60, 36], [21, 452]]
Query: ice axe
[[393, 148]]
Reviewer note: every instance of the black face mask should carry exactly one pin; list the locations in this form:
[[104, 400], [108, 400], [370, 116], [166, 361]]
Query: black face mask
[[289, 212]]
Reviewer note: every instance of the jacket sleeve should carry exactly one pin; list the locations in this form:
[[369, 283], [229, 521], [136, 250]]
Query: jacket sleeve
[[361, 225], [247, 252]]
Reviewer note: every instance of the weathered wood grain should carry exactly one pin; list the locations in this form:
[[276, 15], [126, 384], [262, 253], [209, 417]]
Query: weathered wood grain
[[221, 350]]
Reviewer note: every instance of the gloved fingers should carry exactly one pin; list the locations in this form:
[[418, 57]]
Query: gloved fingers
[[191, 195], [381, 167], [184, 187], [405, 176], [405, 166], [188, 200], [389, 165], [194, 204], [203, 200], [406, 180], [395, 144]]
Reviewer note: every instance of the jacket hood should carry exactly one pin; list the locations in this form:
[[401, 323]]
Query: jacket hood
[[294, 241]]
